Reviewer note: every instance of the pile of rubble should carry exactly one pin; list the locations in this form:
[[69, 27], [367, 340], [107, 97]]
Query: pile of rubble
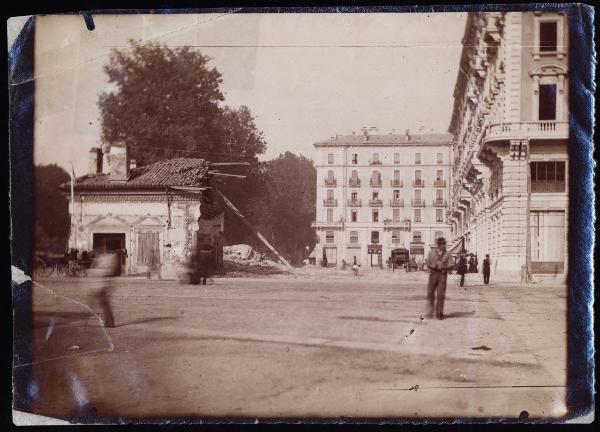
[[242, 258]]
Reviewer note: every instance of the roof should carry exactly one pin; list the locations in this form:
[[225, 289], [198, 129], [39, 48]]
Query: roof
[[172, 172], [386, 139]]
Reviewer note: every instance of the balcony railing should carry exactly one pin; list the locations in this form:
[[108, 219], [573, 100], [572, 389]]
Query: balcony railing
[[354, 182], [330, 203], [541, 186], [439, 183], [397, 202], [550, 129], [396, 183], [354, 203], [418, 183], [375, 202], [330, 182], [439, 202], [324, 225], [375, 183], [418, 203], [375, 162]]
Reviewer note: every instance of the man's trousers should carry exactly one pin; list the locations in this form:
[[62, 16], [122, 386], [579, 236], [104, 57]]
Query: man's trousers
[[436, 290]]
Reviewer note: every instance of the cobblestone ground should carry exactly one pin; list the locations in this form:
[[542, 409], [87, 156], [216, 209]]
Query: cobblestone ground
[[300, 347]]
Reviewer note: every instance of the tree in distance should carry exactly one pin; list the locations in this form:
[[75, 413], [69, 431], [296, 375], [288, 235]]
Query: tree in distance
[[285, 209], [51, 208]]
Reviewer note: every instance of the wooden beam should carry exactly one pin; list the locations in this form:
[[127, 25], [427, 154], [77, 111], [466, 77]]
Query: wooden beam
[[249, 225], [219, 174], [229, 164]]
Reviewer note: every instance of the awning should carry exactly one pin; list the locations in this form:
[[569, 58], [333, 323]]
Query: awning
[[458, 247]]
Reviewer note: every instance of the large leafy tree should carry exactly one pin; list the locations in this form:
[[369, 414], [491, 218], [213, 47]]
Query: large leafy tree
[[286, 207], [52, 220], [166, 102]]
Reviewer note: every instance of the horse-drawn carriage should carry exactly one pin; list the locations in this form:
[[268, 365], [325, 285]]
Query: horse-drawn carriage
[[68, 264], [399, 258]]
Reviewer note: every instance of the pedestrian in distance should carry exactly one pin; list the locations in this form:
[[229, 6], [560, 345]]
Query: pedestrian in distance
[[472, 264], [355, 267], [439, 262], [486, 269], [462, 267]]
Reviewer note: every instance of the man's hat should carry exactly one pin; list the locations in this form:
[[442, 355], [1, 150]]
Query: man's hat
[[441, 241]]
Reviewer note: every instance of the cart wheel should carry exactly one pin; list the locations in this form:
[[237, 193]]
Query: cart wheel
[[40, 268]]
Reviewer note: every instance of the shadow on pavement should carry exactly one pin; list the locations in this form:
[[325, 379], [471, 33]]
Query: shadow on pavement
[[147, 320], [459, 314]]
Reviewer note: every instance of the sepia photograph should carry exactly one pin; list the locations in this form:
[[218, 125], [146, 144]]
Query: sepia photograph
[[253, 215]]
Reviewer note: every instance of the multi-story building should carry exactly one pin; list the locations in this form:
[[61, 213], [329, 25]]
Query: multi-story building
[[510, 125], [379, 192]]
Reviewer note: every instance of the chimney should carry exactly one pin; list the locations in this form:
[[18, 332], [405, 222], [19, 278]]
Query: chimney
[[132, 164], [95, 161], [407, 135], [119, 162]]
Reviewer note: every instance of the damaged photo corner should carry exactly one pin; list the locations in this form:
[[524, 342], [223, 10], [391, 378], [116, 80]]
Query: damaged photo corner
[[241, 215]]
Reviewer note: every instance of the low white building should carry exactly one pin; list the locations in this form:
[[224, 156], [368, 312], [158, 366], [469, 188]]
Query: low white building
[[151, 211]]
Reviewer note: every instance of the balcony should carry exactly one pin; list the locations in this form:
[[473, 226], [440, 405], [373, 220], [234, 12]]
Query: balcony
[[327, 225], [396, 183], [531, 130], [354, 182], [375, 183], [330, 182], [376, 202], [396, 224], [354, 203], [329, 203], [418, 203], [397, 203], [418, 183], [440, 202], [439, 183]]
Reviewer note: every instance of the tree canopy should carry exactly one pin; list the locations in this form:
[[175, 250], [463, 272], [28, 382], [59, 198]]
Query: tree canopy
[[52, 219], [286, 207], [166, 102]]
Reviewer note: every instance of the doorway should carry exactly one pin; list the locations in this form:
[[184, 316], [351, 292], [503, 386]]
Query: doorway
[[107, 242]]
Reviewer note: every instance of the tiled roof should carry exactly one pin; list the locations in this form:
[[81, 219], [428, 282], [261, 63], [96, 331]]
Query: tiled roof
[[172, 172], [390, 139]]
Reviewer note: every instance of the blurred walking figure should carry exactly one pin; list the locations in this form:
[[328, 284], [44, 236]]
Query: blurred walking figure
[[462, 267], [355, 267], [439, 262], [106, 266], [486, 269]]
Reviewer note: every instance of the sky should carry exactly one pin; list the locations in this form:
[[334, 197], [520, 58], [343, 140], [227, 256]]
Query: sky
[[305, 77]]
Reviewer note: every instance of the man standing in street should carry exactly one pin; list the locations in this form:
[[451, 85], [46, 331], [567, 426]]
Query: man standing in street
[[486, 270], [439, 261]]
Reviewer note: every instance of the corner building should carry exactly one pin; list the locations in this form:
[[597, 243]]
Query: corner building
[[509, 196], [379, 192]]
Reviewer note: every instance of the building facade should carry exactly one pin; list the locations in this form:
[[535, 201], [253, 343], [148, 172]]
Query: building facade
[[379, 192], [153, 212], [509, 196]]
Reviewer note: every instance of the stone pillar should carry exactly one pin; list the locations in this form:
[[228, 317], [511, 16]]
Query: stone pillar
[[513, 247]]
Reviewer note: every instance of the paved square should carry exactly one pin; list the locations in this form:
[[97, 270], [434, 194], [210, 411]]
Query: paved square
[[297, 347]]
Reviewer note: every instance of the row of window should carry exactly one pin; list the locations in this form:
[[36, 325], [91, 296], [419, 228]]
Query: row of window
[[439, 195], [376, 161], [395, 235], [376, 176], [376, 215]]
